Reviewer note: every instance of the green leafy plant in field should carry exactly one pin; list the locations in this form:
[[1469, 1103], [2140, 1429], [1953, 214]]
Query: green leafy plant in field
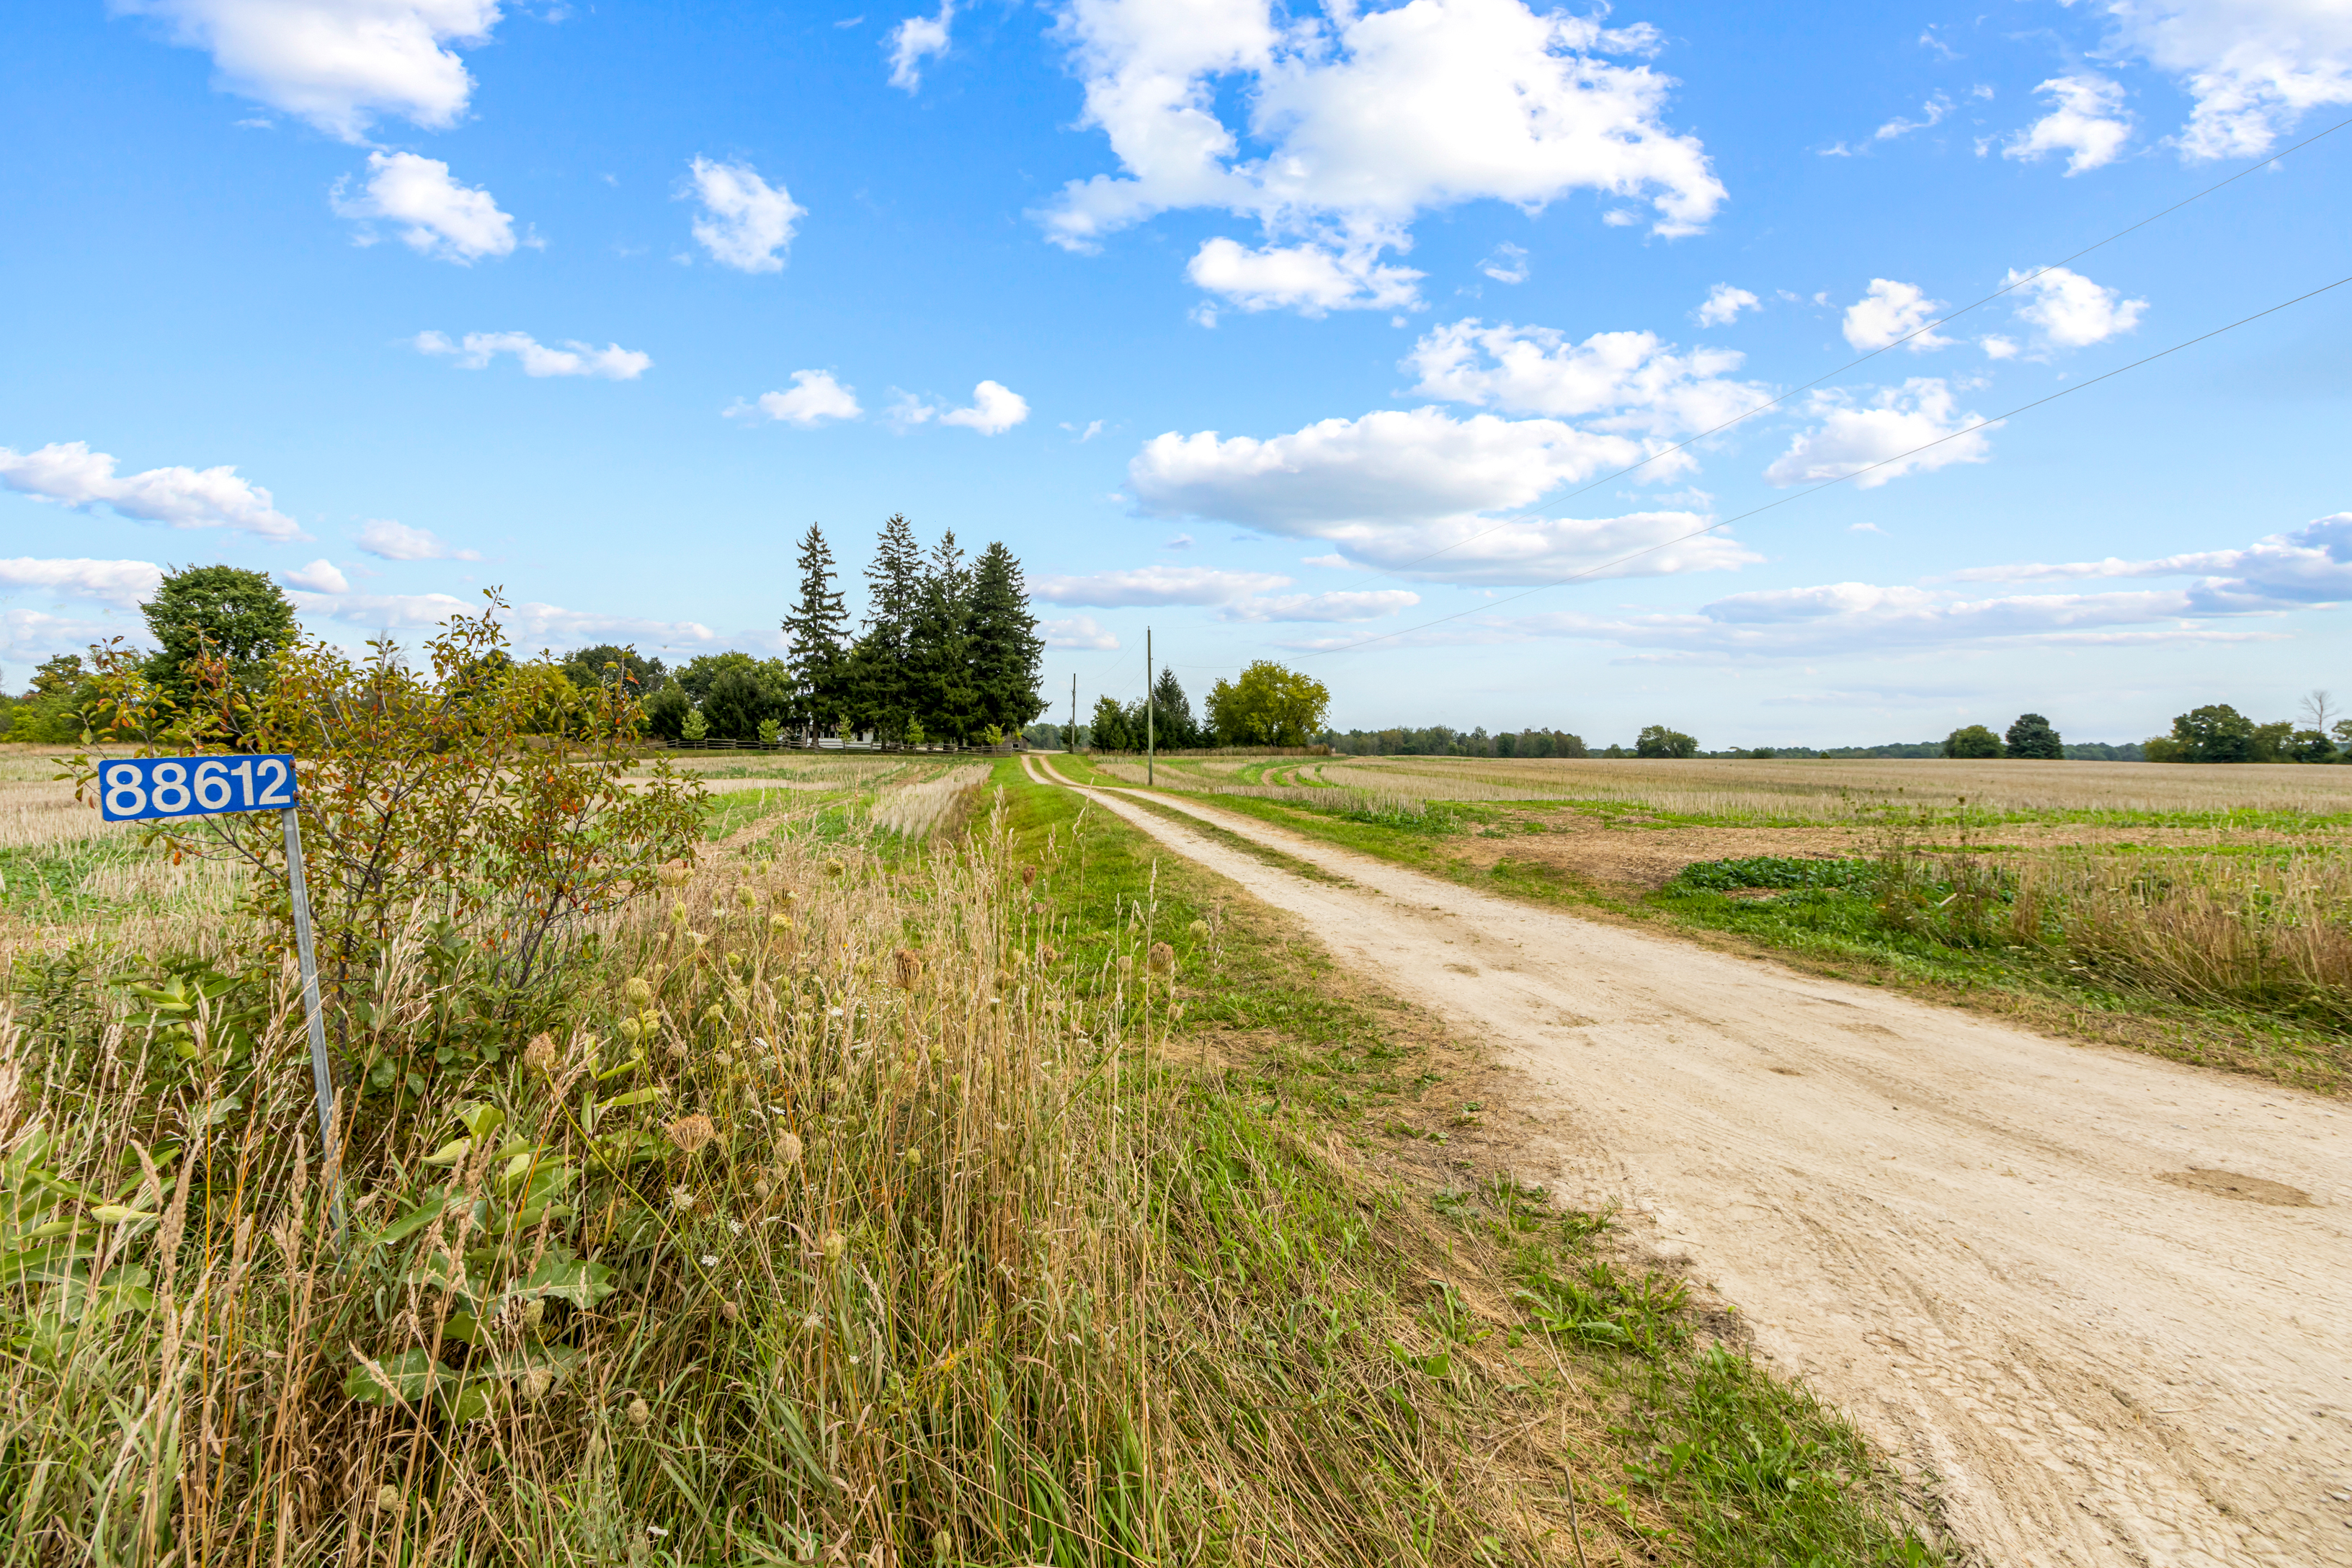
[[1775, 871]]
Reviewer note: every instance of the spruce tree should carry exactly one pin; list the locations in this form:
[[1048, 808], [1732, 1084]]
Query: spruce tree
[[1172, 713], [817, 633], [939, 677], [894, 591], [1007, 656]]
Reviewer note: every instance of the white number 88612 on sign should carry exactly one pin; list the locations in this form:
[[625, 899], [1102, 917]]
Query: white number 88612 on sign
[[132, 789]]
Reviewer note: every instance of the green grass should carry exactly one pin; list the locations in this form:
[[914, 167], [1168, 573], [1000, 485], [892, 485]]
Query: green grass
[[1333, 1052], [44, 882], [727, 815]]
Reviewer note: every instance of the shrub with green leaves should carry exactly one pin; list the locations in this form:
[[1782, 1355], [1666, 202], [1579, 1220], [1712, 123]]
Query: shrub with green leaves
[[476, 791]]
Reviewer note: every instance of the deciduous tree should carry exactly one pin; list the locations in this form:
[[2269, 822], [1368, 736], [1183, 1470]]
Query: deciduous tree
[[1971, 742], [242, 616], [1657, 741], [51, 710], [1268, 706], [2216, 733], [605, 663]]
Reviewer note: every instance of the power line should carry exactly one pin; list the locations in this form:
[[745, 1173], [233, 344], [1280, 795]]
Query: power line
[[1396, 572], [1816, 489]]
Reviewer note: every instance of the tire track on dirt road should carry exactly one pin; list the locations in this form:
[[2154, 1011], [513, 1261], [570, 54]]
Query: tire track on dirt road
[[1961, 1233]]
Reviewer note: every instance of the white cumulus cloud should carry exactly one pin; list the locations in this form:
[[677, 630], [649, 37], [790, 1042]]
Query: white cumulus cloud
[[913, 41], [994, 409], [124, 583], [1078, 632], [70, 474], [1890, 313], [336, 63], [1310, 278], [1723, 304], [436, 216], [2068, 311], [475, 350], [745, 223], [1157, 586], [1422, 494], [322, 577], [1359, 120], [389, 541], [1618, 383], [816, 397], [2086, 122], [1852, 437], [2253, 67]]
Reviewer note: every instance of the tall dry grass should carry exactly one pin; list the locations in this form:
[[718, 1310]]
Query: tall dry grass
[[916, 1254], [918, 810], [2235, 930]]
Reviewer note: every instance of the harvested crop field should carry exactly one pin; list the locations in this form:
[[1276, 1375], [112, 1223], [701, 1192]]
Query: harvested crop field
[[1635, 823]]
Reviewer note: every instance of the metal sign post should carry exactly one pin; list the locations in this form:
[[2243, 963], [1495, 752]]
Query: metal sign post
[[148, 789]]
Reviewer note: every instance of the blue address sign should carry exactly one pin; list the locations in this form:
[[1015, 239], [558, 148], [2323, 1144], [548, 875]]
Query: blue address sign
[[133, 789]]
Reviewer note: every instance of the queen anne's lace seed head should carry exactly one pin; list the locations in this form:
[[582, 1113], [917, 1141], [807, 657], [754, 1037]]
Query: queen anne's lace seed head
[[691, 1133]]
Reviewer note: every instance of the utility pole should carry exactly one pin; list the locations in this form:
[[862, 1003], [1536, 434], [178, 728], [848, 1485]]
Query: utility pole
[[1070, 735], [1147, 706]]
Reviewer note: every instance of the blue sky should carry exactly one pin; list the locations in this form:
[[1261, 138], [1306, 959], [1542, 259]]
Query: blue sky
[[1275, 331]]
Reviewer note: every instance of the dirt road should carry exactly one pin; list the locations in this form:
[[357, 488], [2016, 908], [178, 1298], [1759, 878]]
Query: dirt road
[[1994, 1250]]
